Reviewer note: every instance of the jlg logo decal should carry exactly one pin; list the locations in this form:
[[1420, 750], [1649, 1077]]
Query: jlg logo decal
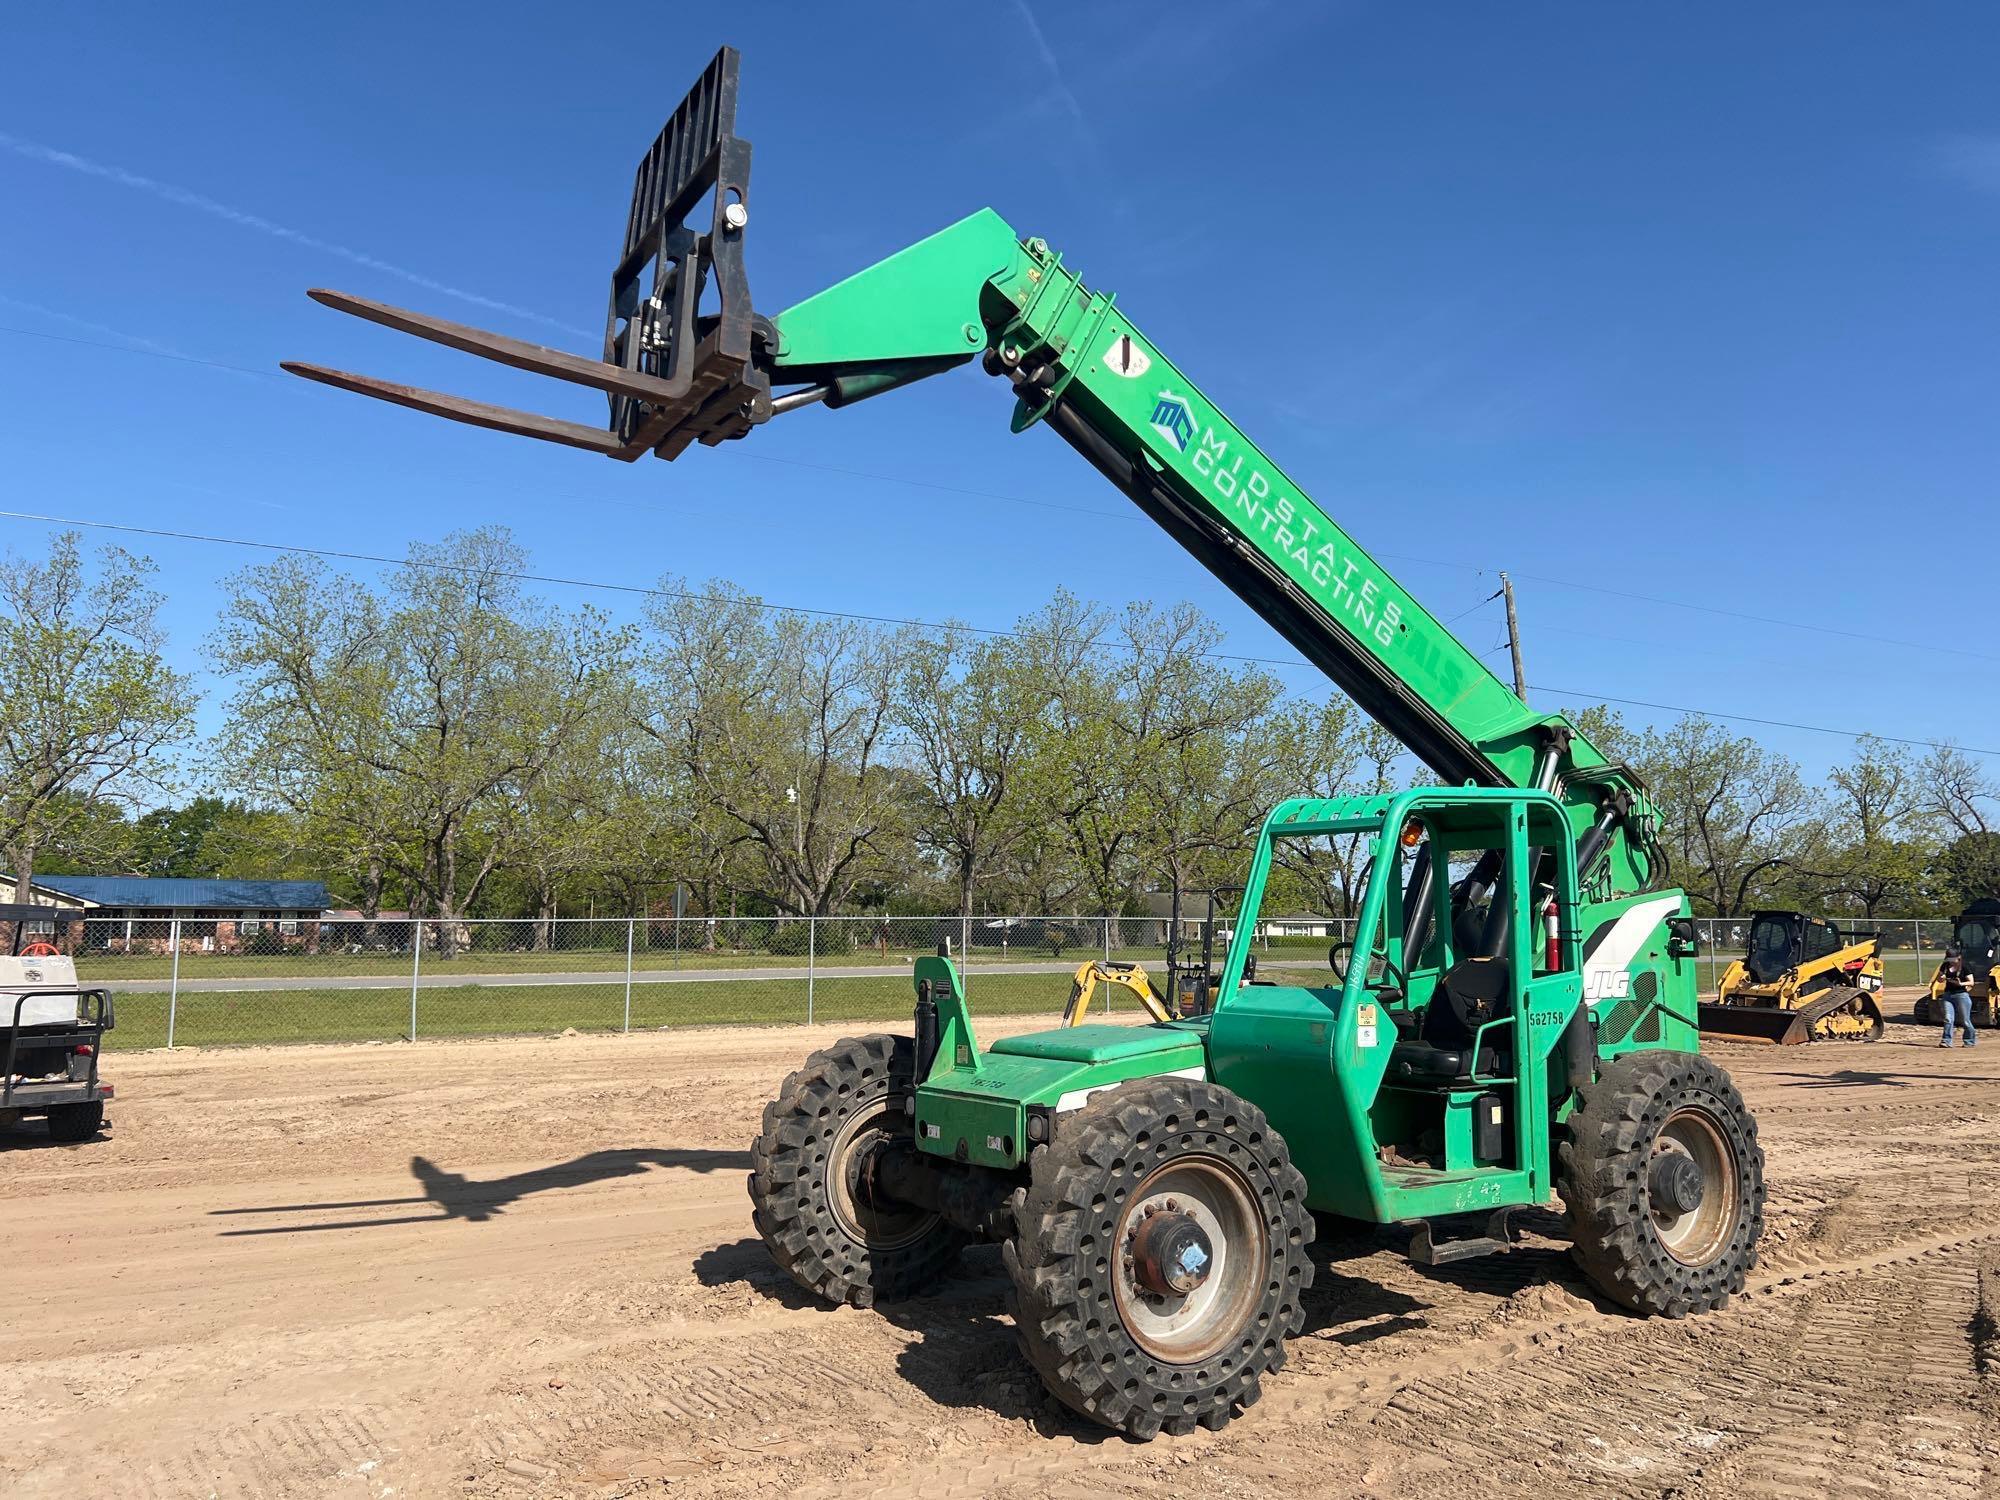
[[1607, 984]]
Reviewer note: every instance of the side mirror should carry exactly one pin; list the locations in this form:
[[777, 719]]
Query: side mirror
[[1682, 939]]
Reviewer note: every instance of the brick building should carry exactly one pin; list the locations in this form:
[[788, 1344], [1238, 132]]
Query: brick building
[[136, 913]]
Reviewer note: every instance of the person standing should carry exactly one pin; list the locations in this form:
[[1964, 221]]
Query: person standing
[[1957, 976]]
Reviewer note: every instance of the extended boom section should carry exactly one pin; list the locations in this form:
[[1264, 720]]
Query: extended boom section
[[676, 375]]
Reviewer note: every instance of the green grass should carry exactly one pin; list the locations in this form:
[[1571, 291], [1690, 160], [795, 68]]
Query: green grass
[[109, 968], [334, 1015], [276, 1016]]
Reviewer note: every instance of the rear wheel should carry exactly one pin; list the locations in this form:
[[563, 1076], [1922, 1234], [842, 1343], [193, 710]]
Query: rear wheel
[[808, 1200], [1664, 1182], [1160, 1257], [76, 1122]]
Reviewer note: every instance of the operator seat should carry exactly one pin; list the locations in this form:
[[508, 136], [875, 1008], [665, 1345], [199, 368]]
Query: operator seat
[[1475, 991]]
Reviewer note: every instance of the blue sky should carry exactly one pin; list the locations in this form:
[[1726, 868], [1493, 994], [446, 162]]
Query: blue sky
[[1697, 303]]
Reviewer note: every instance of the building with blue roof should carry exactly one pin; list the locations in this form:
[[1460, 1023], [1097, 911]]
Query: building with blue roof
[[131, 913]]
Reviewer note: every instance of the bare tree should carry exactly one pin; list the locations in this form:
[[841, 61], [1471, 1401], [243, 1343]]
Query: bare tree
[[1957, 790], [783, 724], [1202, 773], [968, 710], [415, 721], [1732, 812]]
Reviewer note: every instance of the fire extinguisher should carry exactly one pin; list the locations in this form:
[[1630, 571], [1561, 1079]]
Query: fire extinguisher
[[1552, 933]]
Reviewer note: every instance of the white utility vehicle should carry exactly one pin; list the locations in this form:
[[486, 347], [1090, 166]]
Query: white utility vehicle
[[51, 1032]]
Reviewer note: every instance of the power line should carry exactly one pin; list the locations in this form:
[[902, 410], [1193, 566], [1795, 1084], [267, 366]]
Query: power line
[[1480, 605], [1551, 581], [1626, 596], [1675, 708], [840, 614], [183, 359], [949, 489], [578, 583]]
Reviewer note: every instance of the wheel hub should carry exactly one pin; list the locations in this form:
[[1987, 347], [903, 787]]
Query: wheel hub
[[1191, 1250], [862, 1208], [1171, 1254], [1675, 1184]]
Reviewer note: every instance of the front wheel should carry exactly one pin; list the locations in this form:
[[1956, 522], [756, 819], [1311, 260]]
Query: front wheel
[[1664, 1182], [1160, 1257], [805, 1190]]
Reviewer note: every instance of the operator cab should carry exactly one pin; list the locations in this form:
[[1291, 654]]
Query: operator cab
[[1474, 949], [1446, 1017], [1780, 941], [1977, 932]]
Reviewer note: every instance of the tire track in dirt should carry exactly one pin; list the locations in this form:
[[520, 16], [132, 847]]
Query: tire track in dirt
[[1802, 1394], [660, 1410], [330, 1451], [627, 1336], [1022, 1446], [1765, 1374]]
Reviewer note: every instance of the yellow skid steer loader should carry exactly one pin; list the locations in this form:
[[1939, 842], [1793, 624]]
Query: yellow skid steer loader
[[1802, 980], [1976, 935]]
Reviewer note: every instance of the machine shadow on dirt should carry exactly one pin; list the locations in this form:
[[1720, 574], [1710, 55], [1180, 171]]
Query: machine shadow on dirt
[[476, 1201], [32, 1135], [966, 1355]]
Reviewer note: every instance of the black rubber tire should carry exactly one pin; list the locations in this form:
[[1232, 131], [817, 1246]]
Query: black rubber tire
[[793, 1198], [76, 1122], [1603, 1168], [1065, 1313]]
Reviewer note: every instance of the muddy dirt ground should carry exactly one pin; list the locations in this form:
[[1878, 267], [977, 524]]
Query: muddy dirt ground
[[526, 1268]]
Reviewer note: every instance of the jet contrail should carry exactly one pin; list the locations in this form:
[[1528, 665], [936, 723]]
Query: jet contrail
[[1057, 81], [49, 156]]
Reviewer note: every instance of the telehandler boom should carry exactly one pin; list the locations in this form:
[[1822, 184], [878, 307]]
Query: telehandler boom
[[1516, 1019]]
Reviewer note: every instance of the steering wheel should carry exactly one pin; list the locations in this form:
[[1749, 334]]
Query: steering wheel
[[1336, 963], [1389, 969]]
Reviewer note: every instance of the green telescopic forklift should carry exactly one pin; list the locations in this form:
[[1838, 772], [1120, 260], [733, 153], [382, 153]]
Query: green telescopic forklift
[[1515, 1023]]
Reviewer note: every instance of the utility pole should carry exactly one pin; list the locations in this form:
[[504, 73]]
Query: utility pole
[[1514, 639]]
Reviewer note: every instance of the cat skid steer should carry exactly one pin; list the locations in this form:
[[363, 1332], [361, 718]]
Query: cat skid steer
[[1802, 980], [1976, 935], [1524, 1031]]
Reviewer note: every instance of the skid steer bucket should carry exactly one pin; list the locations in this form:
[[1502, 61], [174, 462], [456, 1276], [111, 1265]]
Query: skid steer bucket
[[1753, 1023], [674, 374], [1841, 1014]]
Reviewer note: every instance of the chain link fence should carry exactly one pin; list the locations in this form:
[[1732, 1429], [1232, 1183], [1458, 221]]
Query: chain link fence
[[211, 983]]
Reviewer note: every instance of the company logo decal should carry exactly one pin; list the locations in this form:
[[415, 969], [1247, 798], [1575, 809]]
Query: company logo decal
[[1173, 420]]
